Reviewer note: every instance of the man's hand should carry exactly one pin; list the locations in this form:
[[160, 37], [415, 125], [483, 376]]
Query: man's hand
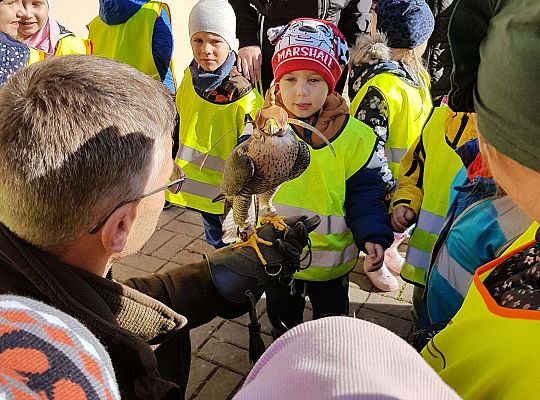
[[401, 218], [376, 254], [234, 271], [249, 63]]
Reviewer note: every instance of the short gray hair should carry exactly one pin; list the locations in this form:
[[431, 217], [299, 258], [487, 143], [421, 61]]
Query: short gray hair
[[78, 135]]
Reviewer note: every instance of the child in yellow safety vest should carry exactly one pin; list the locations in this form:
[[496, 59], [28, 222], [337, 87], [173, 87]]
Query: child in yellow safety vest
[[214, 101], [347, 191], [39, 30], [490, 348], [389, 91]]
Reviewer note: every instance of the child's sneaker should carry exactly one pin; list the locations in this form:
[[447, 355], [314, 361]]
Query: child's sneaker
[[382, 278], [392, 259]]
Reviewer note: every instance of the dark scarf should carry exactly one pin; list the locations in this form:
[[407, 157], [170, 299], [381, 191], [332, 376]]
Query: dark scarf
[[205, 82]]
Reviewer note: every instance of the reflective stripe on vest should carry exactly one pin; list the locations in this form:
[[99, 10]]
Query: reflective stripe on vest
[[408, 110], [202, 125], [330, 224], [321, 190], [478, 235], [73, 45], [131, 41], [440, 168], [488, 352], [394, 156]]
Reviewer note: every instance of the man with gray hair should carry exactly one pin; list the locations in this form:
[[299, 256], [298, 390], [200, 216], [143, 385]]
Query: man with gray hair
[[85, 146]]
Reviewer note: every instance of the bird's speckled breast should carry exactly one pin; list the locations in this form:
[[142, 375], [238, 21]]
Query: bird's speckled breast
[[274, 157]]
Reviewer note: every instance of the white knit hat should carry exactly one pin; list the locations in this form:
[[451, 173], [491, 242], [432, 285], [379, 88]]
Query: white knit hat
[[214, 16]]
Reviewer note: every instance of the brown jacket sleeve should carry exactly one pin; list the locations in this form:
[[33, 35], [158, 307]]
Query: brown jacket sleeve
[[189, 291]]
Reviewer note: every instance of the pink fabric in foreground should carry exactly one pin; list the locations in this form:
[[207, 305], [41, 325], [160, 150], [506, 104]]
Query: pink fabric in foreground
[[342, 358], [47, 37]]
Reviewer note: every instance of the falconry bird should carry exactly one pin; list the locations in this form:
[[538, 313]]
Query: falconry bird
[[258, 166]]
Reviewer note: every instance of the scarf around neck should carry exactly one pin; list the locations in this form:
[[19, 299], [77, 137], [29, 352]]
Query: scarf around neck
[[204, 81], [329, 120], [46, 39]]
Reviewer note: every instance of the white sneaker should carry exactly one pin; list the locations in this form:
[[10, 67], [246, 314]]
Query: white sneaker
[[382, 278], [392, 259]]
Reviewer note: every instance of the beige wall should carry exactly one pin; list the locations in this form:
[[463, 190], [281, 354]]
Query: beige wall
[[75, 14]]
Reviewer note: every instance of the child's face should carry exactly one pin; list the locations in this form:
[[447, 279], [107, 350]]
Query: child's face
[[209, 50], [37, 13], [10, 16], [303, 92]]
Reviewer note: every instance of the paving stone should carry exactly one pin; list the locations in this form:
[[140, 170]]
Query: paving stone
[[198, 375], [191, 217], [201, 333], [357, 298], [122, 272], [238, 334], [388, 305], [399, 326], [200, 246], [168, 215], [361, 281], [186, 257], [144, 262], [174, 246], [184, 228], [158, 239], [406, 294], [221, 385], [226, 354], [393, 294]]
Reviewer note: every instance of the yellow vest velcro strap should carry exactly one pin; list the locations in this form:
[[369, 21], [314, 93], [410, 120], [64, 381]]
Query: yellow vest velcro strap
[[196, 157], [329, 259], [394, 155], [429, 222], [458, 277], [200, 189], [330, 224]]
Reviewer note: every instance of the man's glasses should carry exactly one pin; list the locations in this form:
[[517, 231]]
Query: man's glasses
[[175, 184]]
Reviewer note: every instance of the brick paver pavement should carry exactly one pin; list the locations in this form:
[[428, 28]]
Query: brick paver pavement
[[220, 359]]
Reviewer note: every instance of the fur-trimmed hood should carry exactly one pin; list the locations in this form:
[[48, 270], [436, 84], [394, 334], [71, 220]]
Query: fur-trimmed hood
[[372, 56]]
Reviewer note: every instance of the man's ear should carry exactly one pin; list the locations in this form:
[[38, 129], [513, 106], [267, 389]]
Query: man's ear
[[115, 231]]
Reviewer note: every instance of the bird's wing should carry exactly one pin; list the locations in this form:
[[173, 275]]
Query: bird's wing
[[239, 169], [302, 161]]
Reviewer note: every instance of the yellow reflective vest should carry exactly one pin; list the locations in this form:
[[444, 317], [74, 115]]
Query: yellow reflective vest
[[408, 110], [130, 42], [70, 44], [488, 352], [202, 124], [321, 190], [440, 166], [35, 56]]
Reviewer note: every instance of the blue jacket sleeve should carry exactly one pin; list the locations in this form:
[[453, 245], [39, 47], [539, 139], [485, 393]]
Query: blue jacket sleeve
[[365, 210], [162, 49]]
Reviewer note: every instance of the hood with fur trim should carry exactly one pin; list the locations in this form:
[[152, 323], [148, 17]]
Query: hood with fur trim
[[372, 56]]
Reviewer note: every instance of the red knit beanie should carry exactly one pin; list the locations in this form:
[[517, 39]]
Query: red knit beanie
[[309, 44]]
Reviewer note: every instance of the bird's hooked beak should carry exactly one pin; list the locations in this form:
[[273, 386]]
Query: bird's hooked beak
[[272, 128]]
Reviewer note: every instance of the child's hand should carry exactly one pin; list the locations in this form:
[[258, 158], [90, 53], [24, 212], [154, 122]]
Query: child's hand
[[376, 254], [401, 218]]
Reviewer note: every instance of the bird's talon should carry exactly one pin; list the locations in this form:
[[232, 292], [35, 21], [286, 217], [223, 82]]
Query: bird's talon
[[276, 221], [252, 241]]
